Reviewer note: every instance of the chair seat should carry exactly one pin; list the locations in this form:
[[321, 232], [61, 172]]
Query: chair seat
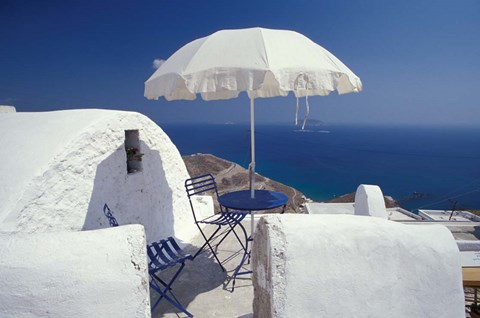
[[164, 254], [225, 218]]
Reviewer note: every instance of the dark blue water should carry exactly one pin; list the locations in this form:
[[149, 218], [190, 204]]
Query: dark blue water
[[420, 167]]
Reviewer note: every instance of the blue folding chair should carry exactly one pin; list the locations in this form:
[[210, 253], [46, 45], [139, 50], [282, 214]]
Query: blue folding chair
[[162, 255], [230, 220]]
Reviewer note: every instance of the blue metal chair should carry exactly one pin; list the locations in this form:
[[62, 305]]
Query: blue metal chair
[[228, 220], [162, 255]]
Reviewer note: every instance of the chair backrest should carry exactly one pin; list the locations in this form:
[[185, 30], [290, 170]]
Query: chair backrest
[[201, 185], [108, 213], [165, 253]]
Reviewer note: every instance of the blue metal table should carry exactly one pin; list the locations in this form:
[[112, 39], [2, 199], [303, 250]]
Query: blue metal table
[[264, 200]]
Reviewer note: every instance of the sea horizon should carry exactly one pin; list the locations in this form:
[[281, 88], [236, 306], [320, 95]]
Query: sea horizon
[[421, 167]]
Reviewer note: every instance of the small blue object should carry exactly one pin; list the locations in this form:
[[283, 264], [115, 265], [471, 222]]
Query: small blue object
[[108, 213]]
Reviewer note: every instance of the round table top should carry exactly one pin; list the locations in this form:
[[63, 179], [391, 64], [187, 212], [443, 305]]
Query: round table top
[[264, 200]]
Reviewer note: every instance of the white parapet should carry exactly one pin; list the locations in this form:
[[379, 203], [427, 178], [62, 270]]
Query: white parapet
[[354, 266], [7, 109], [100, 273], [369, 201], [203, 206]]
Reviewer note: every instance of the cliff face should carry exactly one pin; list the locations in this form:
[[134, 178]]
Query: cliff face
[[232, 177]]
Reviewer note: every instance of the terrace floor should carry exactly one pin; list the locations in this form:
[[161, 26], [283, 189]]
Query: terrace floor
[[202, 289], [201, 285]]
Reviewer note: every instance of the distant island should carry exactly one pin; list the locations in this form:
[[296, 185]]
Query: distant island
[[314, 122]]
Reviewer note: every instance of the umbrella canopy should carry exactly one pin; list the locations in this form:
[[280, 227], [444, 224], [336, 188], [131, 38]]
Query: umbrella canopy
[[262, 62]]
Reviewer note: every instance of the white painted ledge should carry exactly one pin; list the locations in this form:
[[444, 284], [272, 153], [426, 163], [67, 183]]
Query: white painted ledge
[[354, 266], [100, 273]]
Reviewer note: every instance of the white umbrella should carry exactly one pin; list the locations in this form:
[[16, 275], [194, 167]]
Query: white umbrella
[[261, 62]]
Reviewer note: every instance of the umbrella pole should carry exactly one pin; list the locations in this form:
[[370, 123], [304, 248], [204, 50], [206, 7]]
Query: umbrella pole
[[252, 149], [252, 158]]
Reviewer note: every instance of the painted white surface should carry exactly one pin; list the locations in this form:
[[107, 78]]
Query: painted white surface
[[399, 214], [444, 215], [59, 168], [75, 274], [394, 214], [329, 208], [7, 109], [369, 201], [203, 205], [355, 266], [470, 258]]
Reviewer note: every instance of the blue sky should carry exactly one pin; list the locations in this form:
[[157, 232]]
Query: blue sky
[[418, 60]]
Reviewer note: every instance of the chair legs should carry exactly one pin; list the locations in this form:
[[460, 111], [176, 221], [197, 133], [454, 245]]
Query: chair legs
[[232, 229], [207, 242], [224, 235], [163, 291], [245, 256], [244, 246]]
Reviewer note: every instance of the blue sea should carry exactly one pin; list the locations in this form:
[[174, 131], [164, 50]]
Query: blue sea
[[421, 167]]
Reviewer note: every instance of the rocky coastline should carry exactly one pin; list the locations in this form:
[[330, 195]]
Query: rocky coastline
[[232, 177]]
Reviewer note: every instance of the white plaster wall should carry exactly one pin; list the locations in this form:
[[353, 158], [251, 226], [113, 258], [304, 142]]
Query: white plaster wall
[[354, 266], [203, 205], [75, 274], [59, 168], [369, 201], [7, 109]]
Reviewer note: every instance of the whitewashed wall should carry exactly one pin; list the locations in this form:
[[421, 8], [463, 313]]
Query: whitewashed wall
[[75, 274], [354, 266], [59, 168], [369, 201], [7, 109]]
